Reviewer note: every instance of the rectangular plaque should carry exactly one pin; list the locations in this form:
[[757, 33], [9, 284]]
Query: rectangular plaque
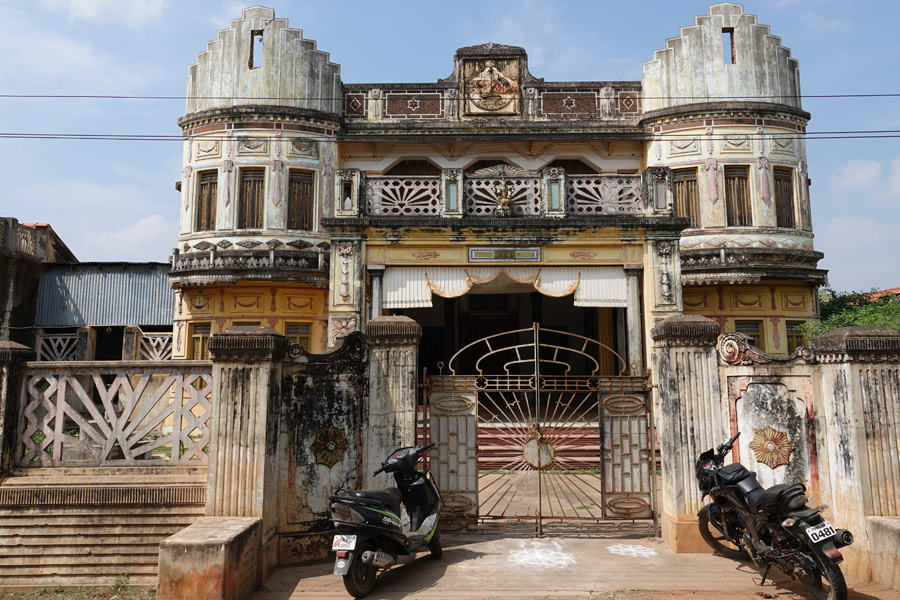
[[505, 254]]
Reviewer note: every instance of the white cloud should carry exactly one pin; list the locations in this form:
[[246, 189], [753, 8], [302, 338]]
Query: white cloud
[[869, 180], [130, 12], [818, 22], [860, 252], [38, 59], [149, 238]]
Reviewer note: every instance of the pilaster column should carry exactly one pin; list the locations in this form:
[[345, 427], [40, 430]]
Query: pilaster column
[[12, 358], [391, 417], [243, 428], [633, 317], [691, 418], [376, 273], [86, 343], [131, 343]]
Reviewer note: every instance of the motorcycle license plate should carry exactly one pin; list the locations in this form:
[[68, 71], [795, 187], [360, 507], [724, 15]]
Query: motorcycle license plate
[[348, 542], [820, 532]]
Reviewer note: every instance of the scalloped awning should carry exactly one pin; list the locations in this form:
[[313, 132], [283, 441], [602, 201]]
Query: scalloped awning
[[412, 287]]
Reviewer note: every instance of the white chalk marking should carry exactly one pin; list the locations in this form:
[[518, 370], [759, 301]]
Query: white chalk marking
[[633, 550], [541, 555]]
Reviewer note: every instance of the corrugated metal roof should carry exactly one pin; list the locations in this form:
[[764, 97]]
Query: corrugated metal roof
[[72, 295]]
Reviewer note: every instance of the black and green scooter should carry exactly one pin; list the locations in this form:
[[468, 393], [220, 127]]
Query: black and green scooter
[[377, 529]]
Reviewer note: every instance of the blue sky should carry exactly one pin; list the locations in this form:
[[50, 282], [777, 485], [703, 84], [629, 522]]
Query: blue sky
[[115, 200]]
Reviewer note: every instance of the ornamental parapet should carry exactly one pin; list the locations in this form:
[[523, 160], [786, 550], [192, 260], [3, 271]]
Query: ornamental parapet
[[713, 266], [247, 343], [228, 266]]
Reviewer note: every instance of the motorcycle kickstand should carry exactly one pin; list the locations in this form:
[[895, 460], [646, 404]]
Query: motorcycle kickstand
[[765, 573]]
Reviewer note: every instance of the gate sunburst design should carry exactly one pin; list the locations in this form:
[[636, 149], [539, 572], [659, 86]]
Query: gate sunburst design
[[558, 445]]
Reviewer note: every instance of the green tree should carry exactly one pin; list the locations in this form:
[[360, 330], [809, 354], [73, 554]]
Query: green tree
[[862, 309]]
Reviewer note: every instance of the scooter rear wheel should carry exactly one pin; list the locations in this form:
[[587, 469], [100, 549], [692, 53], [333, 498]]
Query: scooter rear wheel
[[434, 546], [360, 578]]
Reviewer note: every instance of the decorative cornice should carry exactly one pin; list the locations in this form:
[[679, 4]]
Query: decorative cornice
[[247, 343], [685, 330]]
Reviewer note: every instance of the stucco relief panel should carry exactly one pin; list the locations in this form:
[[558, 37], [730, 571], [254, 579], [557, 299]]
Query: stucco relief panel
[[491, 86]]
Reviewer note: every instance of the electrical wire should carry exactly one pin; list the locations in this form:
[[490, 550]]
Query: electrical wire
[[704, 98]]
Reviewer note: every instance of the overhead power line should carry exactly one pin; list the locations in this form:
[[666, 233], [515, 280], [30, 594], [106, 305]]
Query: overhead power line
[[703, 98], [623, 136]]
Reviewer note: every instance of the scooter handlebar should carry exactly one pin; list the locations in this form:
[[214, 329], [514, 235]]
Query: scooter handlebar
[[726, 447], [377, 471]]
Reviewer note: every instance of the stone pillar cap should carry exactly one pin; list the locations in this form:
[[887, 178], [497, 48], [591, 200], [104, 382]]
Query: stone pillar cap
[[10, 350], [247, 342], [687, 330], [853, 340]]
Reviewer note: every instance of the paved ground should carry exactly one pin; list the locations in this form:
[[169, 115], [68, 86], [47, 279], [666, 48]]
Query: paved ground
[[486, 568]]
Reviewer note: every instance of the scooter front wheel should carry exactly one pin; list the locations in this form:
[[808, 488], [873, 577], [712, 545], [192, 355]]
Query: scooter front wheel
[[360, 578]]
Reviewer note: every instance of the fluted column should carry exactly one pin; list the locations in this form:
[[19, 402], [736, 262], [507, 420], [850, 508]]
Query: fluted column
[[690, 419], [633, 317], [243, 466], [391, 412]]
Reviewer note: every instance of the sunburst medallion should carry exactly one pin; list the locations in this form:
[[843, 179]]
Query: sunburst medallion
[[771, 447], [329, 446]]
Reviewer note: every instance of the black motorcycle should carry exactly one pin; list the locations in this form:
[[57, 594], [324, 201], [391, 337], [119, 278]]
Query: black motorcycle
[[771, 526], [378, 529]]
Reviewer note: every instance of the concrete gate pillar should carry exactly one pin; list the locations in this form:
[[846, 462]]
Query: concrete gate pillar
[[858, 414], [12, 357], [391, 413], [243, 467], [691, 418]]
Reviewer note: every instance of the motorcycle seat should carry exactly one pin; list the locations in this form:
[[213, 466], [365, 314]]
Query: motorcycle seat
[[390, 497], [765, 499]]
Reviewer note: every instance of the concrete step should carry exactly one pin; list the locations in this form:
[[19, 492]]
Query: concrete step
[[100, 520], [98, 570], [77, 541], [104, 530], [122, 562], [93, 549], [31, 582]]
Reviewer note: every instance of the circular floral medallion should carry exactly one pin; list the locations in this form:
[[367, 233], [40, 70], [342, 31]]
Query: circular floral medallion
[[771, 447], [329, 446]]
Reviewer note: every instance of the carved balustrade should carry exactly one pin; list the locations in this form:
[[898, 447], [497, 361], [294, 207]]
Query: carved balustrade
[[403, 196], [585, 196], [122, 413]]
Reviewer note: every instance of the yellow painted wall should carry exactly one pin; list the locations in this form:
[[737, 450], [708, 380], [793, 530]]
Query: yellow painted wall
[[273, 305], [771, 303]]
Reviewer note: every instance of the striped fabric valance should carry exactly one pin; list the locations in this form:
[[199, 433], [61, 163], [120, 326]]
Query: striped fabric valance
[[412, 287]]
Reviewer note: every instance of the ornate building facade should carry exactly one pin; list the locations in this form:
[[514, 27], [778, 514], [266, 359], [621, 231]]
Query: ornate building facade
[[494, 198]]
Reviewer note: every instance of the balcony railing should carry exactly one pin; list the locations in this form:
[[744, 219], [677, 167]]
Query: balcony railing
[[550, 194]]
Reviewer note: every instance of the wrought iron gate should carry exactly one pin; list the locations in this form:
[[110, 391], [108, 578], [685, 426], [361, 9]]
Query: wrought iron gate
[[545, 439]]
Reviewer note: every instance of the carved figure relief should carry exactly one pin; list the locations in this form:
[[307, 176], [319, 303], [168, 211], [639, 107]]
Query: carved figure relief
[[764, 179], [771, 447], [491, 86], [666, 290], [451, 102]]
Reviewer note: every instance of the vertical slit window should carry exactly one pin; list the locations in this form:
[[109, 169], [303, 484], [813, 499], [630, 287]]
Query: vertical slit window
[[684, 184], [206, 201], [737, 197], [784, 198], [256, 49], [728, 45], [250, 214], [300, 201]]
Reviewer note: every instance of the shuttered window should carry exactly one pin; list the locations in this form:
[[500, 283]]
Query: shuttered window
[[199, 340], [300, 201], [206, 201], [737, 197], [298, 333], [784, 198], [250, 213], [685, 189]]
